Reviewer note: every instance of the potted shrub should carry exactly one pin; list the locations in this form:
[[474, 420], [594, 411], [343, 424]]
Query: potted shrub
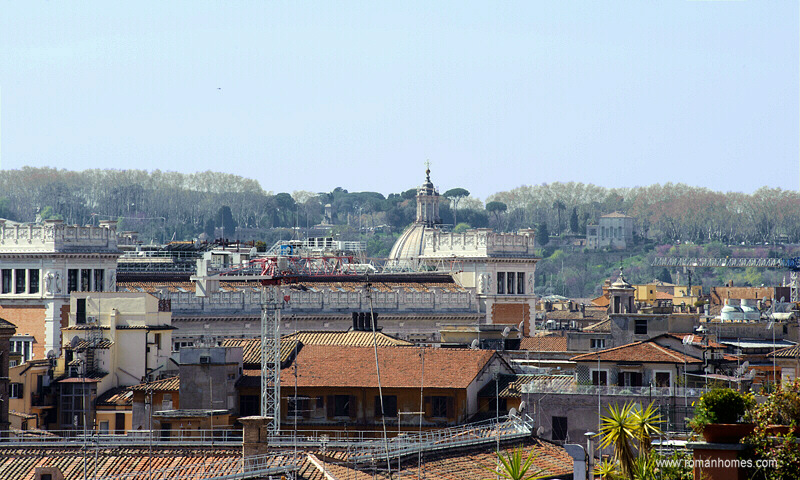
[[718, 415], [780, 413]]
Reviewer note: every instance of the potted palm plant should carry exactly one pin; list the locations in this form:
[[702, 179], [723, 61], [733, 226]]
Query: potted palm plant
[[718, 415]]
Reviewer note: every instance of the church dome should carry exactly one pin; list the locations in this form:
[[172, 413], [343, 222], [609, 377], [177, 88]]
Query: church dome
[[410, 244]]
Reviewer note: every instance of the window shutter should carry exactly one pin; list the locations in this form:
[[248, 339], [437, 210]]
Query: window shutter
[[427, 408], [451, 407], [331, 405], [378, 413], [352, 406]]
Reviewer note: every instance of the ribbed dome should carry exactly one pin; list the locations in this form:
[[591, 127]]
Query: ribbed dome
[[410, 244]]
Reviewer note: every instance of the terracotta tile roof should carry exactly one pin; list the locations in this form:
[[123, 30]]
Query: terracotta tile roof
[[601, 301], [697, 340], [788, 352], [473, 463], [119, 396], [347, 338], [470, 463], [80, 379], [6, 324], [26, 416], [545, 343], [86, 327], [171, 384], [601, 327], [337, 366], [251, 349], [639, 352], [83, 344], [21, 463], [663, 296]]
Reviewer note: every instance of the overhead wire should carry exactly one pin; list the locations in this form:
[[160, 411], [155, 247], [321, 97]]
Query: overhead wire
[[368, 288]]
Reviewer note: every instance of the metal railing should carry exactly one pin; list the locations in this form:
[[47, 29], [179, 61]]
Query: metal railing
[[721, 262], [614, 390], [259, 466], [500, 429], [129, 438]]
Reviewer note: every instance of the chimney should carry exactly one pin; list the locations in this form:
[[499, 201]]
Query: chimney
[[583, 310], [578, 455]]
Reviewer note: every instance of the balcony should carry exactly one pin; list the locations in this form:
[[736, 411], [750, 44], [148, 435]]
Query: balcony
[[595, 390]]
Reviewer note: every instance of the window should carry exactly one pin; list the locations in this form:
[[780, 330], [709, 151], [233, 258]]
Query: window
[[249, 405], [640, 327], [510, 277], [663, 379], [521, 283], [297, 407], [598, 343], [33, 281], [99, 276], [176, 346], [19, 280], [389, 406], [7, 280], [72, 280], [80, 311], [104, 427], [501, 283], [74, 401], [23, 348], [599, 377], [341, 405], [15, 390], [439, 406], [630, 379], [119, 423], [559, 429], [86, 280], [158, 340]]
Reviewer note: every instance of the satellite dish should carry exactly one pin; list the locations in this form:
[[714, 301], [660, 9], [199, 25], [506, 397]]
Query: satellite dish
[[51, 355], [513, 412], [539, 431], [522, 405], [75, 341], [506, 331], [745, 365], [474, 344], [521, 325]]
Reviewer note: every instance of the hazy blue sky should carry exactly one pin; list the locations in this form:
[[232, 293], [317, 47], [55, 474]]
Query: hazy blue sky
[[314, 95]]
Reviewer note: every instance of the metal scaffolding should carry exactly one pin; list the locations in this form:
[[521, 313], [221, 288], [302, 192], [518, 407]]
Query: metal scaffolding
[[271, 304]]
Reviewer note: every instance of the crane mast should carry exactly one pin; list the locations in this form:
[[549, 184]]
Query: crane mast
[[272, 272]]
